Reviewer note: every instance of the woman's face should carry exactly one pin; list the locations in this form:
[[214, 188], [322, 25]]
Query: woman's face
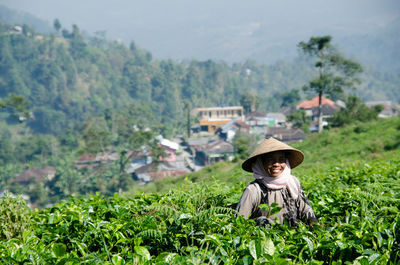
[[274, 163]]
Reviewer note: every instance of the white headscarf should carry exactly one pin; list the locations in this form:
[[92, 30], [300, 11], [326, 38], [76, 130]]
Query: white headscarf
[[285, 179]]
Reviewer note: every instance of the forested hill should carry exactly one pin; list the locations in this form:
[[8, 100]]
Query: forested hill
[[69, 79]]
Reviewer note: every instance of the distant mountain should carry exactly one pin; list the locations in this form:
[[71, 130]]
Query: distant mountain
[[8, 15], [380, 50], [263, 32], [233, 31]]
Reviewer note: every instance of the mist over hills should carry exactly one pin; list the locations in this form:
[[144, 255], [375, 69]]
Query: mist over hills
[[235, 31], [8, 15]]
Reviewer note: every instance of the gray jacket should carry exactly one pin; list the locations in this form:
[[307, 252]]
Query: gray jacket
[[292, 210]]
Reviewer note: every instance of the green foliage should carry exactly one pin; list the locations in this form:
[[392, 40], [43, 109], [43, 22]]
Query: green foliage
[[335, 73], [57, 25], [355, 111], [36, 148], [357, 206], [68, 80], [300, 120], [100, 95], [244, 144], [157, 152], [290, 98], [249, 102], [15, 217], [97, 136], [17, 103]]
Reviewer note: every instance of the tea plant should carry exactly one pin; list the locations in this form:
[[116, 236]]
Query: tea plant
[[358, 209], [14, 217]]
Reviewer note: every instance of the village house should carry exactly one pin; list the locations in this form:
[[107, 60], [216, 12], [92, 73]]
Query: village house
[[144, 169], [137, 160], [278, 119], [196, 144], [35, 175], [258, 118], [286, 135], [211, 119], [89, 161], [328, 109], [156, 171], [15, 30], [228, 131], [258, 121], [389, 110], [171, 148], [215, 152]]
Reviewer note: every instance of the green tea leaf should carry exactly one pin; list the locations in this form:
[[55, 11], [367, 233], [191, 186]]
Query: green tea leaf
[[59, 249], [252, 249], [309, 243], [143, 252], [117, 260], [268, 246]]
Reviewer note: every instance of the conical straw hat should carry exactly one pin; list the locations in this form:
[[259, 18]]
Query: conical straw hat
[[271, 145]]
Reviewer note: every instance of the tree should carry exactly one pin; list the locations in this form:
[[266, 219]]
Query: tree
[[188, 107], [96, 135], [78, 44], [290, 98], [57, 25], [140, 138], [355, 110], [16, 103], [123, 177], [300, 120], [157, 152], [244, 144], [249, 102], [335, 71]]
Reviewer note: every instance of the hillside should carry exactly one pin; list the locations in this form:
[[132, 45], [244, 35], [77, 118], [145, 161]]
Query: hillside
[[70, 79], [89, 95], [354, 145], [356, 199]]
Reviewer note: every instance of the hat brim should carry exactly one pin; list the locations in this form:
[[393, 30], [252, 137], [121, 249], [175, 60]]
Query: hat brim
[[270, 145]]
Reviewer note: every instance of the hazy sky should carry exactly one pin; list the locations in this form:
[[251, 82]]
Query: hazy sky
[[186, 28]]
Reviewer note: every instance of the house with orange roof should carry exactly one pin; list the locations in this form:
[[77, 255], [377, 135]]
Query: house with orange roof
[[309, 104], [329, 108]]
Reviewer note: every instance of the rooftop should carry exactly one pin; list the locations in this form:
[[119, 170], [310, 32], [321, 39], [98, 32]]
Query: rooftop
[[309, 104]]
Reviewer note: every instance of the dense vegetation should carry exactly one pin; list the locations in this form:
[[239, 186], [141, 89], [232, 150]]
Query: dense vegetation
[[351, 179], [69, 79], [89, 95]]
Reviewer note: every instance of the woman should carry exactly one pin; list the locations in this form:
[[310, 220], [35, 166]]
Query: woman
[[271, 164]]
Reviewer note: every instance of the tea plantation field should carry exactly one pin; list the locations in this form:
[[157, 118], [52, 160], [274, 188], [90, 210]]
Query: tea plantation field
[[357, 201]]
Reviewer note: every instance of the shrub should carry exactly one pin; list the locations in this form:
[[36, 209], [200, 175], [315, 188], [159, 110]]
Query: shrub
[[14, 217]]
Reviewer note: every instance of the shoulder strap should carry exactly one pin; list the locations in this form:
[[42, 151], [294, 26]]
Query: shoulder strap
[[258, 185]]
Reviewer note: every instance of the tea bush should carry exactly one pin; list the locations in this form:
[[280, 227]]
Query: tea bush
[[14, 217], [358, 208]]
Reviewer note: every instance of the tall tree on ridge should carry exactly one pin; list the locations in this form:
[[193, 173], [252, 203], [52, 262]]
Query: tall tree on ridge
[[335, 71], [57, 25]]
